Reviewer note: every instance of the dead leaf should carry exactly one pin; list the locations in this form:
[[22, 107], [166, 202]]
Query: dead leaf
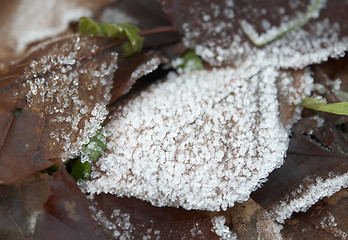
[[315, 167], [132, 68], [213, 29], [67, 214], [54, 100], [327, 219], [21, 204], [165, 141], [135, 219], [251, 221]]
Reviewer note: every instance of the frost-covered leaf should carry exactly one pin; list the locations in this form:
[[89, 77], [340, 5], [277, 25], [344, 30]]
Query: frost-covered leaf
[[21, 204], [130, 218], [213, 29], [94, 149], [187, 62], [327, 219], [66, 214], [251, 221], [274, 33], [315, 167], [293, 86], [202, 140], [132, 68], [61, 88]]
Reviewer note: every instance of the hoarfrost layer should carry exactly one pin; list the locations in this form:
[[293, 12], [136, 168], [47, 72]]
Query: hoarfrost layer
[[70, 87], [306, 197], [218, 32], [202, 140], [221, 229]]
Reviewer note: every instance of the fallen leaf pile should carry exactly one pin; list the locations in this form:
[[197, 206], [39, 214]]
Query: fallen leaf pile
[[224, 150]]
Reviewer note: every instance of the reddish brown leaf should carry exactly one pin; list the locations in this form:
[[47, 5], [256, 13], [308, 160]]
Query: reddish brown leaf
[[132, 68], [21, 205], [316, 166], [325, 220], [53, 100], [136, 219], [251, 221], [66, 213], [214, 29]]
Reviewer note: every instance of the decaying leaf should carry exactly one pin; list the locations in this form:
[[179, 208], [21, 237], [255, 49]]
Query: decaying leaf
[[130, 218], [325, 220], [21, 204], [293, 86], [315, 167], [132, 68], [66, 214], [251, 221], [60, 90], [214, 29], [201, 140]]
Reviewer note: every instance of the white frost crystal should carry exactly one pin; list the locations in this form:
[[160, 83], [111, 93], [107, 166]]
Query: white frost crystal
[[201, 140], [221, 229], [307, 197]]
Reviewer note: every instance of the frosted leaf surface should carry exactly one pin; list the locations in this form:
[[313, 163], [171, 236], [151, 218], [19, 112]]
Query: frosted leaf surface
[[132, 68], [30, 21], [74, 96], [201, 140], [315, 167], [220, 40], [293, 86], [221, 229], [304, 197], [61, 89]]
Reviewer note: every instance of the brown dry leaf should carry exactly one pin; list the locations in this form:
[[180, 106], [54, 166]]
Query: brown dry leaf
[[53, 101], [251, 221], [132, 68], [164, 141], [130, 218], [21, 204], [315, 167], [327, 219], [66, 213], [213, 29], [293, 86]]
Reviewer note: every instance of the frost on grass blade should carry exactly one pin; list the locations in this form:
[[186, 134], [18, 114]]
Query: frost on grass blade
[[201, 140], [62, 88], [218, 38]]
